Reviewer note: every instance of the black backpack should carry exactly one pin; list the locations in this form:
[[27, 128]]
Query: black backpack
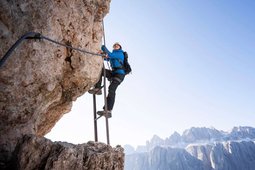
[[126, 65]]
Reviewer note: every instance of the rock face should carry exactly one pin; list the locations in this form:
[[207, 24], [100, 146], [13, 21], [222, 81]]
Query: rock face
[[40, 80], [195, 134], [40, 153]]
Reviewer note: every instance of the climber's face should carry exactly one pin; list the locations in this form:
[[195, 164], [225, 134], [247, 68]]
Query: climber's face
[[116, 46]]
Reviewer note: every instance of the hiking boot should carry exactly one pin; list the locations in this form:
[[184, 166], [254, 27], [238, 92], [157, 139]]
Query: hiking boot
[[97, 91], [107, 114]]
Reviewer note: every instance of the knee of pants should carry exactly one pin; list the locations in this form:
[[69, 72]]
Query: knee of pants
[[113, 87], [111, 92]]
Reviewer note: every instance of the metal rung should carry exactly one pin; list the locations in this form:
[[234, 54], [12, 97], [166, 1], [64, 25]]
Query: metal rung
[[99, 117]]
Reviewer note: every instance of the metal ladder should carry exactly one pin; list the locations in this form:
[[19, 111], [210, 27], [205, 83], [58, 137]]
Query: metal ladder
[[105, 109]]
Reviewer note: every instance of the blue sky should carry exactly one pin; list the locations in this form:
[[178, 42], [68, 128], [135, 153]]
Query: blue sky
[[193, 66]]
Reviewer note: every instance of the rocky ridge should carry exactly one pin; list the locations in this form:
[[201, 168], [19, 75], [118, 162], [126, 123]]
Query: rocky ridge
[[217, 156], [40, 153], [197, 148]]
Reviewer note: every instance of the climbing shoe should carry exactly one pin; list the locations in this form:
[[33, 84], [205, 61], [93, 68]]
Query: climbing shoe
[[97, 91], [107, 114]]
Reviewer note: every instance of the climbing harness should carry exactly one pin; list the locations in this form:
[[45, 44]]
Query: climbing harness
[[36, 35]]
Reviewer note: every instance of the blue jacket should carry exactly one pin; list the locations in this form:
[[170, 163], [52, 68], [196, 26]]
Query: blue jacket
[[116, 58]]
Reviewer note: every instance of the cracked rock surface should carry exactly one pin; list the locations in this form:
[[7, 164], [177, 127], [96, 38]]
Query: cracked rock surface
[[40, 80], [44, 154]]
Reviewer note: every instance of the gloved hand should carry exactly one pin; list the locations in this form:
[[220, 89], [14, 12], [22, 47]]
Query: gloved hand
[[103, 48]]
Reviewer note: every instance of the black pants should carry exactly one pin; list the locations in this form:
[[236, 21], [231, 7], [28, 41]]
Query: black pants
[[115, 80]]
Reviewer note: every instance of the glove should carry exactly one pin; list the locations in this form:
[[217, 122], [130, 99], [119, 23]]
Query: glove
[[103, 47]]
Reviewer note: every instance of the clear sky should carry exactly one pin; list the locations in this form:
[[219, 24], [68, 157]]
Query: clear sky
[[193, 66]]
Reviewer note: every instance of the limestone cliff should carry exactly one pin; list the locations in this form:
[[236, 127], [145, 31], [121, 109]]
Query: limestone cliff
[[197, 148], [214, 156], [40, 80]]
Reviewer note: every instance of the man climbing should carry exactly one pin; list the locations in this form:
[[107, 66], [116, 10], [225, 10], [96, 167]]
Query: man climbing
[[116, 76]]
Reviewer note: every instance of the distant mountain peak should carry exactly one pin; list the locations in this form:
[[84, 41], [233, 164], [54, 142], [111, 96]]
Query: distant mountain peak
[[194, 134], [198, 148], [199, 135]]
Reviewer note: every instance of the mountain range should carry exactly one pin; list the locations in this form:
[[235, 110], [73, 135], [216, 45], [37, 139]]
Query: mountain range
[[197, 148]]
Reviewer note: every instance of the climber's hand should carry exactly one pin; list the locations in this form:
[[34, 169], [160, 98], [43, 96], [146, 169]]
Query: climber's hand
[[105, 56], [100, 52]]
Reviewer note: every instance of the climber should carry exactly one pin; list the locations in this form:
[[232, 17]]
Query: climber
[[115, 76]]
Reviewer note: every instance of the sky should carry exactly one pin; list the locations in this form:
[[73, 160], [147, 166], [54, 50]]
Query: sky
[[193, 65]]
